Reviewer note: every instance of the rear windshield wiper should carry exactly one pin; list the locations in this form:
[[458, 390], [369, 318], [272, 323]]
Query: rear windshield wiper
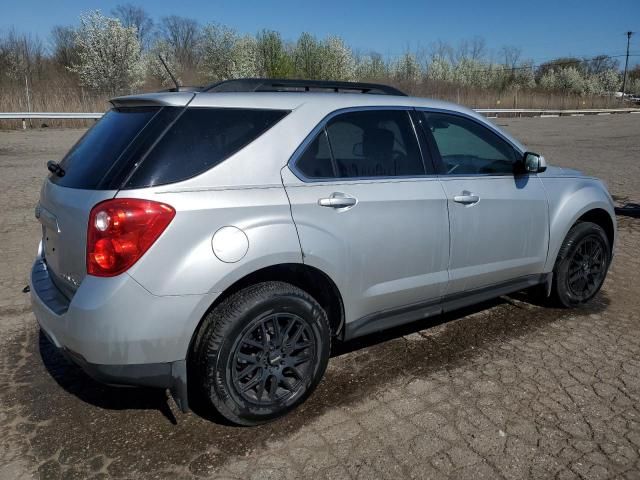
[[55, 168]]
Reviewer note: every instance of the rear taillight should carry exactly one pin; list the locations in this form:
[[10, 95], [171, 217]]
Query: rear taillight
[[120, 231]]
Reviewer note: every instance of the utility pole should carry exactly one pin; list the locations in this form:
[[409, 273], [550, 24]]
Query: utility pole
[[626, 64]]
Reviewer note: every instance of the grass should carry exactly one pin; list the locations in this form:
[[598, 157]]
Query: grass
[[46, 97]]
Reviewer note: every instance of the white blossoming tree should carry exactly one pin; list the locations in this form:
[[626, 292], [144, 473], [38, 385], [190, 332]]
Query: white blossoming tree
[[570, 80], [524, 76], [337, 60], [109, 55], [371, 67], [440, 69], [611, 80], [407, 68], [154, 66], [245, 64], [549, 80], [218, 46]]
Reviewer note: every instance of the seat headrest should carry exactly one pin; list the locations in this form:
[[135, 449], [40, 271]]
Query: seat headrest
[[377, 142]]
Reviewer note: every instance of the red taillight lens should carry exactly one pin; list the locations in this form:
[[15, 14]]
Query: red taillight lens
[[120, 231]]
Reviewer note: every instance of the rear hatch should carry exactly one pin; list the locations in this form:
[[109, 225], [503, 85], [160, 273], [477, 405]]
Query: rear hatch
[[144, 141], [94, 170]]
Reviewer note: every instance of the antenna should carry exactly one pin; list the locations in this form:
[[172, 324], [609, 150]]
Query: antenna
[[169, 72]]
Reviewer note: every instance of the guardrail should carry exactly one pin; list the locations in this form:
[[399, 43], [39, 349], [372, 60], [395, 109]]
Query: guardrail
[[555, 112], [24, 116]]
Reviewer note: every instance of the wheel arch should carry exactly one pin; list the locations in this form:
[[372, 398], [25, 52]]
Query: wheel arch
[[601, 218], [310, 279], [599, 212]]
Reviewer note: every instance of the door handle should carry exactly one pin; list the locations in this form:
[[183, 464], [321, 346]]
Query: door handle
[[466, 198], [337, 200]]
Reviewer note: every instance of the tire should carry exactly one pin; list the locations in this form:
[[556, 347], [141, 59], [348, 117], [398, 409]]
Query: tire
[[252, 373], [581, 266]]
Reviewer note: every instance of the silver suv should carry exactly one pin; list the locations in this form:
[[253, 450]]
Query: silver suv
[[227, 235]]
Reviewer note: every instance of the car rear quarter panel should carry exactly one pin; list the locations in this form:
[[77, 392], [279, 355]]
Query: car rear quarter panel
[[569, 199], [182, 260]]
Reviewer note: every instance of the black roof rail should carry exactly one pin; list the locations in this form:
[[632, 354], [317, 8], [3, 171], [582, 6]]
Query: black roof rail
[[289, 85], [182, 88]]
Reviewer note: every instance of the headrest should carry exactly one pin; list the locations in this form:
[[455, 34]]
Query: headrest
[[377, 141]]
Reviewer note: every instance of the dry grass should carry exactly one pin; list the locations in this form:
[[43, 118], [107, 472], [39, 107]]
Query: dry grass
[[62, 97]]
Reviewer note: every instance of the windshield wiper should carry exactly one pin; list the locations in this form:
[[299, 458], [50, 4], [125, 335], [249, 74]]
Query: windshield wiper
[[55, 168]]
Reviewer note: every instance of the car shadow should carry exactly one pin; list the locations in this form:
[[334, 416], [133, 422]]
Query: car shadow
[[75, 381], [473, 333], [629, 209], [523, 299]]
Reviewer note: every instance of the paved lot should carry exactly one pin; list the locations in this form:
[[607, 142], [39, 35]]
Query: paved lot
[[506, 390]]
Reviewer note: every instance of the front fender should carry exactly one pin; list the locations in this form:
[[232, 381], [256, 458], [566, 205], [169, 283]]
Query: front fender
[[570, 199]]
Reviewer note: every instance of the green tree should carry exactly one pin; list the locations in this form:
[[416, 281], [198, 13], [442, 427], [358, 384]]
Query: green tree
[[272, 57], [307, 57]]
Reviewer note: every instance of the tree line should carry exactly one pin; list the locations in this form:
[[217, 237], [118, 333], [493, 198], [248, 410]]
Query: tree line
[[119, 53]]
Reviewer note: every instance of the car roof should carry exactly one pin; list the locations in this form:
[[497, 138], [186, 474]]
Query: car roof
[[321, 103], [285, 100]]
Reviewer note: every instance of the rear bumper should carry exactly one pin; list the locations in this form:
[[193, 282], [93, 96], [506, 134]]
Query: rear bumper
[[117, 331], [172, 375]]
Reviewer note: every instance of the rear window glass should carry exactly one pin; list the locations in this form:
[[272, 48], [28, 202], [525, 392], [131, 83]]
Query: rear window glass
[[97, 151], [200, 139]]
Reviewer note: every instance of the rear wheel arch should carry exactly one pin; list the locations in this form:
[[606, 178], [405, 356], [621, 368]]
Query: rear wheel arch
[[310, 279]]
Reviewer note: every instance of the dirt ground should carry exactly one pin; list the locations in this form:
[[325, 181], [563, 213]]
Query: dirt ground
[[505, 390]]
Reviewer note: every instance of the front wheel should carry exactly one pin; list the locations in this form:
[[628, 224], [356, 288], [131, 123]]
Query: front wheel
[[582, 264], [262, 351]]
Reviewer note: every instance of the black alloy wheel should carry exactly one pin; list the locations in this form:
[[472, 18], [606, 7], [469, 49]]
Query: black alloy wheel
[[587, 267], [582, 265], [261, 352], [273, 360]]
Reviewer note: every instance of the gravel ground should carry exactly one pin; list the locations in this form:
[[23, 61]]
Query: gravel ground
[[505, 390]]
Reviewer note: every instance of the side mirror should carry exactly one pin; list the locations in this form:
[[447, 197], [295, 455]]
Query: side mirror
[[534, 163]]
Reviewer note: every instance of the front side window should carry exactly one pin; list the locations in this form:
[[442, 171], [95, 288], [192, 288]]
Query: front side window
[[369, 143], [468, 148]]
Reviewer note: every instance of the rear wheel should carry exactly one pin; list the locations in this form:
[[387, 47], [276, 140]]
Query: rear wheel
[[582, 264], [262, 352]]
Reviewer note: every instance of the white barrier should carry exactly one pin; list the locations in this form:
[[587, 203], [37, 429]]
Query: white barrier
[[24, 116], [549, 112]]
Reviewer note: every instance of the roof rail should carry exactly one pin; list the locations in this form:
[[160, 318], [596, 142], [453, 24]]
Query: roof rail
[[288, 85], [182, 88]]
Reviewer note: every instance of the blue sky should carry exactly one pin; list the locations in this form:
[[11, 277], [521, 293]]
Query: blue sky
[[543, 29]]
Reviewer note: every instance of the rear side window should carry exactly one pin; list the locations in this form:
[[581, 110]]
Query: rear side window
[[99, 149], [200, 139], [364, 144], [316, 161]]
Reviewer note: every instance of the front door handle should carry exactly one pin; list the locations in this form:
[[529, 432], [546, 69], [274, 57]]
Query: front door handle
[[466, 198], [337, 200]]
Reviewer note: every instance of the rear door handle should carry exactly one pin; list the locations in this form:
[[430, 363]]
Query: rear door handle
[[337, 200], [466, 198]]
